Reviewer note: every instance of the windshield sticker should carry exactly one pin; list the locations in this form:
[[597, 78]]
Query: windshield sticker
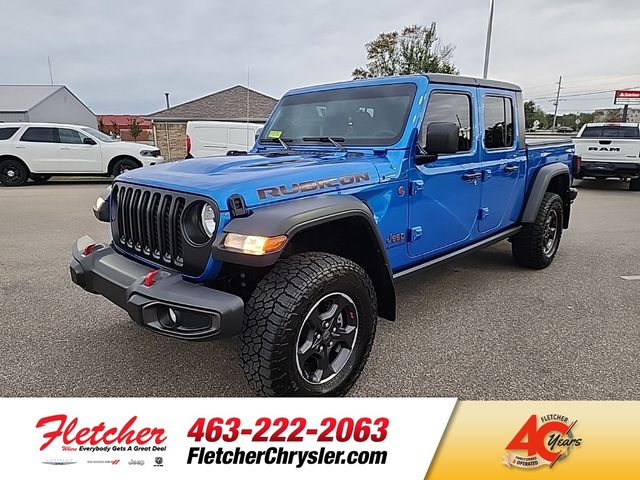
[[274, 134]]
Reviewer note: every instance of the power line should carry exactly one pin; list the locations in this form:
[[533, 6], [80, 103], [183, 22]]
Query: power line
[[583, 94]]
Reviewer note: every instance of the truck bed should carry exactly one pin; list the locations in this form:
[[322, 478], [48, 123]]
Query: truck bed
[[540, 140]]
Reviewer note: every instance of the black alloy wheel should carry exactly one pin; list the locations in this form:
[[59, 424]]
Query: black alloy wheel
[[13, 173], [326, 338]]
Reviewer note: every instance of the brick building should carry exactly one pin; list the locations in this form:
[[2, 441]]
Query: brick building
[[235, 104]]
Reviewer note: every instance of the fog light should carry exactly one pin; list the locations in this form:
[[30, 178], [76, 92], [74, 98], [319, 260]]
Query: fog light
[[169, 317]]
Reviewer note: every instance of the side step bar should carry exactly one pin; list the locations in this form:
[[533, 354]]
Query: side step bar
[[498, 237]]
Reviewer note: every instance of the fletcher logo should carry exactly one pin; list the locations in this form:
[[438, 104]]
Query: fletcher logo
[[332, 182], [544, 444], [98, 434]]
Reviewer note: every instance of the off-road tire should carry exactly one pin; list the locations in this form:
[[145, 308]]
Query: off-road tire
[[275, 314], [39, 178], [124, 165], [528, 246], [634, 184], [13, 173]]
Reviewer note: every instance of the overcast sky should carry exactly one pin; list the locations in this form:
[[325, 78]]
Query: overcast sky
[[120, 57]]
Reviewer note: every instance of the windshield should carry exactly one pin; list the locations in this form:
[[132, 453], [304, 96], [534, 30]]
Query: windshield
[[374, 115], [99, 135]]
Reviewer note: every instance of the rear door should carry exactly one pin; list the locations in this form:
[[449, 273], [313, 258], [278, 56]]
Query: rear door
[[75, 155], [38, 148], [503, 161], [609, 143], [445, 194]]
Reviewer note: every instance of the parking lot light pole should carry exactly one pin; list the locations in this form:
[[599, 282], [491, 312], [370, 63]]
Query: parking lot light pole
[[488, 44]]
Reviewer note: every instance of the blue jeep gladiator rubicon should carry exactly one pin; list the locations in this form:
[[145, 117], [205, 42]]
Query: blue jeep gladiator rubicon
[[296, 246]]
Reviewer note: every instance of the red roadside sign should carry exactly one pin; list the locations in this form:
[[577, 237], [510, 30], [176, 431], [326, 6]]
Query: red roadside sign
[[627, 97]]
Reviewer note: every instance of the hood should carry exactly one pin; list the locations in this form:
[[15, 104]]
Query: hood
[[260, 179], [134, 146]]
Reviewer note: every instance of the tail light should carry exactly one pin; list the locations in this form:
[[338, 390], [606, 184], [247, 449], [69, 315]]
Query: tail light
[[577, 162], [188, 144]]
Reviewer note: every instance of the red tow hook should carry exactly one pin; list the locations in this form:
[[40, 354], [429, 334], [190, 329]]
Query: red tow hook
[[150, 278], [88, 249]]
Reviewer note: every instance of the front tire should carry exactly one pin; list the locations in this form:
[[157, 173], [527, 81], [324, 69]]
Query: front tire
[[309, 327], [634, 184], [124, 165], [13, 173], [537, 243]]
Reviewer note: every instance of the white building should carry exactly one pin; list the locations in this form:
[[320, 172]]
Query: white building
[[43, 103]]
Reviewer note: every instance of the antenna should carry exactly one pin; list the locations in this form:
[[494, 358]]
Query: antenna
[[247, 129], [50, 70]]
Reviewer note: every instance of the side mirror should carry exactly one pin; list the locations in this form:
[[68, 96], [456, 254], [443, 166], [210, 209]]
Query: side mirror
[[88, 141], [258, 133], [442, 138]]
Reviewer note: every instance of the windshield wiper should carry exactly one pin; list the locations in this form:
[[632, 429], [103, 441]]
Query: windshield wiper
[[282, 141], [333, 140]]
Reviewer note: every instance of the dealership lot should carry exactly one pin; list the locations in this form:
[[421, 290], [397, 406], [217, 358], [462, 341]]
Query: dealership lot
[[479, 328]]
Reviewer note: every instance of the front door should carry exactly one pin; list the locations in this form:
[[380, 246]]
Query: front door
[[503, 161], [77, 156], [445, 194]]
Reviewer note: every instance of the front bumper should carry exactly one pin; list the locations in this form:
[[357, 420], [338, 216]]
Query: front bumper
[[609, 169], [171, 306]]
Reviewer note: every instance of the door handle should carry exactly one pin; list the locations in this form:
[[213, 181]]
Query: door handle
[[65, 148], [471, 177], [511, 168]]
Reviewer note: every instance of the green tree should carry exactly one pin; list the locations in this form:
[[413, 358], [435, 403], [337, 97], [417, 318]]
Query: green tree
[[533, 112], [134, 127], [415, 49], [613, 115], [101, 126]]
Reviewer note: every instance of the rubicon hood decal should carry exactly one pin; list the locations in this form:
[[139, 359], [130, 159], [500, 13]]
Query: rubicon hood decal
[[260, 179], [310, 186]]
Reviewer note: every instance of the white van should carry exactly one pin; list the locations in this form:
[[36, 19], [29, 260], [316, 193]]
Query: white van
[[206, 139]]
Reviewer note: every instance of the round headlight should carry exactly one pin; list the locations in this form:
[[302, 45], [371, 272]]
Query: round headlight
[[208, 219]]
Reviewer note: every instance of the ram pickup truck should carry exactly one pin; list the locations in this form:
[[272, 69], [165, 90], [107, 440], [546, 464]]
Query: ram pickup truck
[[610, 150], [296, 246]]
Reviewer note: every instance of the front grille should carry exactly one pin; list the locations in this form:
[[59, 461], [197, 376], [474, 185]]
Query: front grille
[[149, 223]]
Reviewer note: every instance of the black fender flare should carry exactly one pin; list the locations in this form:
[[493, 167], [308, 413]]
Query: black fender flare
[[540, 186], [292, 217]]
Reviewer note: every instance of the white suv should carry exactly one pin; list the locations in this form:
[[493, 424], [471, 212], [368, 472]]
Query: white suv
[[41, 150]]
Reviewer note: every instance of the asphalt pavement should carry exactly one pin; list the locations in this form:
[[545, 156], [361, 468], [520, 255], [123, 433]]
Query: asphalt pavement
[[478, 328]]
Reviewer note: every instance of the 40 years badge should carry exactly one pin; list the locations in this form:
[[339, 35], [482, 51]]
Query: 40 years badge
[[542, 441]]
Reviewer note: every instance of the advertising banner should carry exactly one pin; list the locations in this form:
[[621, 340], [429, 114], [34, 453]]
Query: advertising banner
[[627, 97], [433, 438]]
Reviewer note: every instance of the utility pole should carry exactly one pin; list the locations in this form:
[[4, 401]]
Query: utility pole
[[625, 113], [555, 112], [487, 48], [50, 70]]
